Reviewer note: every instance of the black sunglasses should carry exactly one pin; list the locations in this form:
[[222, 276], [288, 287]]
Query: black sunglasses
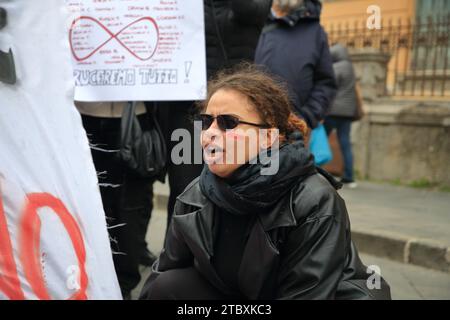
[[224, 121]]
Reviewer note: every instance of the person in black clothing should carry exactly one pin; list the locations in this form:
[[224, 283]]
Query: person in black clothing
[[343, 109], [126, 197], [294, 47], [240, 234], [232, 29]]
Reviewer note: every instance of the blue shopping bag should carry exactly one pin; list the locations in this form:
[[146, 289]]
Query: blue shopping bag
[[319, 146]]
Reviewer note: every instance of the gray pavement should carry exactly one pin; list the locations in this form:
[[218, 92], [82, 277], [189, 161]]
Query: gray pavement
[[408, 212], [401, 223], [409, 282]]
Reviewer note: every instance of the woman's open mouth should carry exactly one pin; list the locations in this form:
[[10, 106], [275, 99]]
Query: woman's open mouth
[[213, 154]]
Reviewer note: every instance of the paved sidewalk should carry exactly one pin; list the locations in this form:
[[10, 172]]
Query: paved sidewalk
[[401, 223], [410, 282]]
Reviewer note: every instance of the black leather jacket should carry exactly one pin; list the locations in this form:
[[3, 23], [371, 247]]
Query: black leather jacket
[[301, 249]]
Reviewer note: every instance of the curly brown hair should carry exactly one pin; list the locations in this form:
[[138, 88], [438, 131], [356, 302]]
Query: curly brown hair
[[269, 97]]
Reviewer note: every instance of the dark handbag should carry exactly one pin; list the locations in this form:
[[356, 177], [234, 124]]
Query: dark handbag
[[142, 151]]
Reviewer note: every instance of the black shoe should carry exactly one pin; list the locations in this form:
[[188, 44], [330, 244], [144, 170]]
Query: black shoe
[[147, 258]]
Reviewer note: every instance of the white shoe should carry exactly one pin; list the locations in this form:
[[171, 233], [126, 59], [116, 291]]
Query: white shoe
[[349, 184]]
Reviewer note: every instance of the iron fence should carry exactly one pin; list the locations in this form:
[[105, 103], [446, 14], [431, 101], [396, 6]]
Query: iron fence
[[418, 49]]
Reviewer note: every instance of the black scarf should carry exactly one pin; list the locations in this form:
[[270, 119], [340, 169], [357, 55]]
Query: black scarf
[[246, 191]]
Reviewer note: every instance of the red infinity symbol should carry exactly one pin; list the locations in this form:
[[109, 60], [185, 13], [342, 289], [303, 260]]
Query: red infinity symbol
[[113, 36]]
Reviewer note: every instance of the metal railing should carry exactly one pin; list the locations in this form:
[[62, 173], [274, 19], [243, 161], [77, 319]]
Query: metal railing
[[419, 51]]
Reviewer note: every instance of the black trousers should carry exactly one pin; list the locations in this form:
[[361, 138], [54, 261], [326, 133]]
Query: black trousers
[[172, 116], [181, 284], [127, 199]]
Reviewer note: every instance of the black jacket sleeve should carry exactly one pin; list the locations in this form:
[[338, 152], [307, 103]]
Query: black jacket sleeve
[[324, 90], [251, 11], [314, 254], [176, 254]]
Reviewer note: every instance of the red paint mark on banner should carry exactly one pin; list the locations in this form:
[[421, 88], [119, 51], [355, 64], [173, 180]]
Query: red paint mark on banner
[[115, 36], [30, 239], [29, 248], [9, 281]]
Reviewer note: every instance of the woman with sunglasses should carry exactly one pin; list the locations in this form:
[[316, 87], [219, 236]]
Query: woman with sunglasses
[[241, 234]]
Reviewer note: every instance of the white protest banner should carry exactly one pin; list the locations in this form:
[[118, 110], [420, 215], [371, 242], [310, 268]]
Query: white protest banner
[[138, 50], [54, 242]]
